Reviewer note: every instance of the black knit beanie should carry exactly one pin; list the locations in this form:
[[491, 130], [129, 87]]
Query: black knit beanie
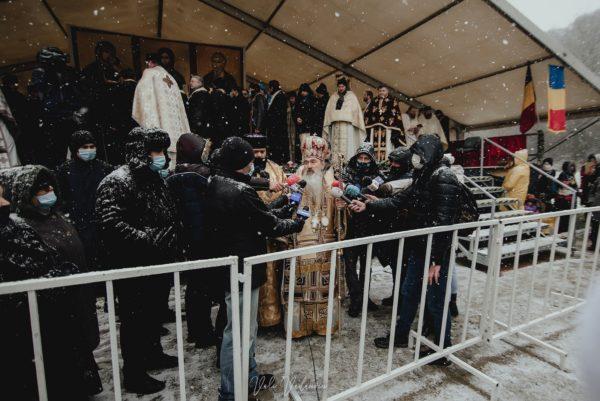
[[235, 154]]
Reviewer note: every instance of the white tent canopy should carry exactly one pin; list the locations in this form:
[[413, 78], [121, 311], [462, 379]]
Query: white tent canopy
[[464, 57]]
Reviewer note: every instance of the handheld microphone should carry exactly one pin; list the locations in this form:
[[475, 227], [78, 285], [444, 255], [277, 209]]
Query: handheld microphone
[[337, 184], [303, 213], [297, 191], [264, 174], [337, 193], [353, 192], [371, 184], [292, 179]]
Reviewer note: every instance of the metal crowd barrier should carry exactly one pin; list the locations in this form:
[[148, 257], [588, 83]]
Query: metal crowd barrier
[[32, 286], [539, 309], [539, 302], [361, 385]]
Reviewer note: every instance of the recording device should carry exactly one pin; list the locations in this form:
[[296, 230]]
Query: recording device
[[353, 192], [338, 193], [371, 184], [264, 174], [297, 188], [303, 214]]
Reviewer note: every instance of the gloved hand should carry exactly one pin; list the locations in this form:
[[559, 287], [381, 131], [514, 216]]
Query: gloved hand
[[299, 225]]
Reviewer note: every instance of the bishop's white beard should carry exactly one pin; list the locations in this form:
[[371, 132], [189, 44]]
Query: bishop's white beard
[[314, 185]]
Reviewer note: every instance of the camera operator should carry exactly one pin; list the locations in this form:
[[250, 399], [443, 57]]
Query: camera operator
[[432, 200]]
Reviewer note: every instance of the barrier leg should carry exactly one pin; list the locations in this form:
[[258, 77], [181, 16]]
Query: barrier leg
[[38, 352], [114, 348]]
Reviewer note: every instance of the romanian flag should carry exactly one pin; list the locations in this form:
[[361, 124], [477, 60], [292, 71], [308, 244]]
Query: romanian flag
[[528, 114], [557, 115]]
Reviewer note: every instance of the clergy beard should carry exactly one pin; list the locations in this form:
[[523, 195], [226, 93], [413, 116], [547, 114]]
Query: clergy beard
[[314, 184]]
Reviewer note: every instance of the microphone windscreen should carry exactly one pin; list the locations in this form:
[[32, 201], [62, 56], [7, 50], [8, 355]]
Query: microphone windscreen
[[366, 181], [337, 184], [292, 179], [352, 191], [337, 192], [302, 183]]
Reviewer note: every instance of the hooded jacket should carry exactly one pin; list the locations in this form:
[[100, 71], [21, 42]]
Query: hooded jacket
[[516, 181], [432, 200], [352, 174], [198, 108], [137, 220]]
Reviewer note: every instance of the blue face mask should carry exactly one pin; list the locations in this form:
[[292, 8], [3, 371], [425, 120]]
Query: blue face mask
[[87, 154], [158, 163], [251, 170], [48, 200]]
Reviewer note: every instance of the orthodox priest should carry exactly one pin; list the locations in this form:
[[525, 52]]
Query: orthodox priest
[[383, 113], [344, 125], [431, 125], [157, 103], [269, 304], [311, 288]]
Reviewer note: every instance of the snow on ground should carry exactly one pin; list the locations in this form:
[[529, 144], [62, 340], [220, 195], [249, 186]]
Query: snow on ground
[[525, 371]]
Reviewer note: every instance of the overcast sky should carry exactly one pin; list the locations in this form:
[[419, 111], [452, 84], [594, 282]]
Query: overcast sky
[[551, 14]]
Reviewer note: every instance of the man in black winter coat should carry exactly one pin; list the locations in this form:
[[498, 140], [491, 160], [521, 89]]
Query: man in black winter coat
[[197, 107], [432, 200], [38, 241], [137, 226], [238, 224], [78, 180]]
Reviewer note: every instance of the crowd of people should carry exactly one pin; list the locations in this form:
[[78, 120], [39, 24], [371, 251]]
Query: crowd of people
[[119, 172]]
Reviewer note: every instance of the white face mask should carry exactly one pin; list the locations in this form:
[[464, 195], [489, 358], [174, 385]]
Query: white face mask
[[417, 162], [547, 167]]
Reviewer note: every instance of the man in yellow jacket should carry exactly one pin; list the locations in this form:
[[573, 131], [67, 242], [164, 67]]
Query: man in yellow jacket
[[516, 181]]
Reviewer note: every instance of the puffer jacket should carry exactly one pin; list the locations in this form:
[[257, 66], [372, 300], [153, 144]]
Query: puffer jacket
[[516, 181], [238, 223], [137, 220], [434, 198]]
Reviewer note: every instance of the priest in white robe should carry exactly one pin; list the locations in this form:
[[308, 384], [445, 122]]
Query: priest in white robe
[[431, 125], [8, 149], [344, 124], [158, 104], [412, 127]]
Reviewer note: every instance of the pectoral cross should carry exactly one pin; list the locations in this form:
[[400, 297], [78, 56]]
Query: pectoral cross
[[168, 81]]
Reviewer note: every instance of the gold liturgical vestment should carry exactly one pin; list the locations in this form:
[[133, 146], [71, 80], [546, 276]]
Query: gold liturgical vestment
[[269, 305], [311, 288]]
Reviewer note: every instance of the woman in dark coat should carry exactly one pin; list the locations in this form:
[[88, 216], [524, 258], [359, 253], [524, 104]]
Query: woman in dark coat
[[40, 242], [306, 116], [188, 188]]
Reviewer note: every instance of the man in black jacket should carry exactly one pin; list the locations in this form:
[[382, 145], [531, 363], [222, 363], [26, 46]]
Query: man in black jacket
[[138, 227], [78, 180], [197, 107], [239, 224], [432, 200]]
